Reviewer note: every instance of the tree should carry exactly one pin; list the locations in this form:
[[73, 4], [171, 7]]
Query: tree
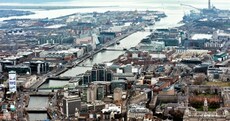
[[176, 114], [199, 79]]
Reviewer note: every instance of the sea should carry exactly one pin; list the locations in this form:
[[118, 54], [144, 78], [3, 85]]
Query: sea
[[174, 9]]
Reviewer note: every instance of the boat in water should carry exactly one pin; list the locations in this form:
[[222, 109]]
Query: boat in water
[[124, 48]]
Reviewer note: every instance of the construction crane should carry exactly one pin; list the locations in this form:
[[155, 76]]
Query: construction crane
[[191, 6], [209, 6]]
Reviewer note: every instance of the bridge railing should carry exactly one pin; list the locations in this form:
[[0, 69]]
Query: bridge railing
[[36, 109]]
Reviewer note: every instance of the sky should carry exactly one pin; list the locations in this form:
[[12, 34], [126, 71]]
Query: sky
[[30, 1], [124, 3], [172, 8]]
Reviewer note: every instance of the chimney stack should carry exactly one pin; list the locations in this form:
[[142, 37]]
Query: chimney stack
[[209, 4]]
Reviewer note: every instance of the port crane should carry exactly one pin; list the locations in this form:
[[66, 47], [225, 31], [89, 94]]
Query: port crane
[[191, 6], [209, 6]]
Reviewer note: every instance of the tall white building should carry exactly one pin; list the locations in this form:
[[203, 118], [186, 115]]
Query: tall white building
[[12, 81], [92, 93]]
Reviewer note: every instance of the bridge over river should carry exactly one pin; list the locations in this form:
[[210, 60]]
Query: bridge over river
[[36, 109]]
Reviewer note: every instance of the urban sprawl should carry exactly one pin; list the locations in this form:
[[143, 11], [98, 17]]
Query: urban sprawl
[[180, 73]]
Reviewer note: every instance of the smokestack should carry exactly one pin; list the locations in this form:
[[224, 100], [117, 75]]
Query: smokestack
[[209, 4]]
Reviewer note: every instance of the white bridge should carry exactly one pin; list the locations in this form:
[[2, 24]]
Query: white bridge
[[36, 109]]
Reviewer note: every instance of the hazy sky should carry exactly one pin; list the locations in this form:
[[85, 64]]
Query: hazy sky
[[96, 1], [172, 8], [224, 4], [29, 1]]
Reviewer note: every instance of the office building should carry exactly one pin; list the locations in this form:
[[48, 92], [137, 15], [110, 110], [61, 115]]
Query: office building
[[98, 73], [19, 69], [137, 112], [94, 74], [117, 94], [101, 74], [12, 81], [86, 78], [118, 84], [109, 75], [70, 103], [5, 63], [39, 67], [106, 37], [92, 93], [100, 92], [97, 91]]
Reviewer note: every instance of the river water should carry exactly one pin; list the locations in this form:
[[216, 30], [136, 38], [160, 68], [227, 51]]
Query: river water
[[172, 7], [53, 84], [37, 116], [36, 102], [106, 56]]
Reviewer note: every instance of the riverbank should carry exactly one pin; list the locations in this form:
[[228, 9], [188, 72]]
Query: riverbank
[[79, 61], [106, 56]]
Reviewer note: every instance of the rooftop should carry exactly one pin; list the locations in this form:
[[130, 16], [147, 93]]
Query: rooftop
[[202, 36]]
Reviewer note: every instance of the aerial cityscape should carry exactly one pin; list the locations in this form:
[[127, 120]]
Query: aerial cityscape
[[98, 60]]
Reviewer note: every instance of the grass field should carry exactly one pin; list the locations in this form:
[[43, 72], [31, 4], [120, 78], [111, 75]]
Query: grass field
[[221, 84]]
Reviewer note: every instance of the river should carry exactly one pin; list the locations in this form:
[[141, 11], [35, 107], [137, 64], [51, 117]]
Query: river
[[36, 102], [106, 56], [172, 20]]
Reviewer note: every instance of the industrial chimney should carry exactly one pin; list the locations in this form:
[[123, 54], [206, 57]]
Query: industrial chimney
[[209, 4]]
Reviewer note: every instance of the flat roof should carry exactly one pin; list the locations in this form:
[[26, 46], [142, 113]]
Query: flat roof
[[221, 53], [158, 55], [118, 81], [12, 57], [56, 26], [201, 36]]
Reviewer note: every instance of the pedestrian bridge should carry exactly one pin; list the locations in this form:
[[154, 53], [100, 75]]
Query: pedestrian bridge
[[41, 93], [83, 65], [115, 49], [36, 109]]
